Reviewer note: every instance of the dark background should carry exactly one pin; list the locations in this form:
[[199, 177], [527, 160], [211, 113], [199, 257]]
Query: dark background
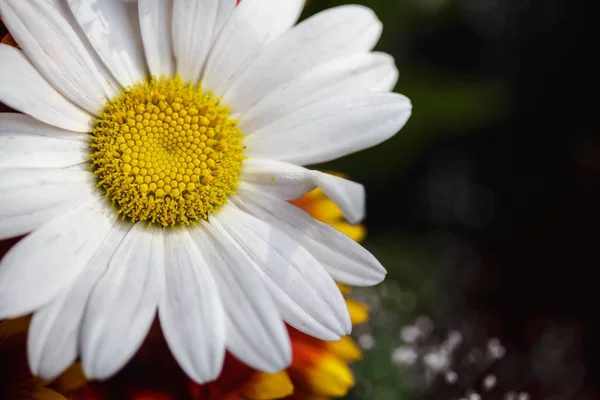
[[486, 205]]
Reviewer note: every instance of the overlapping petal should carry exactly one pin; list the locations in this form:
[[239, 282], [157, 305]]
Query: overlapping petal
[[305, 94]]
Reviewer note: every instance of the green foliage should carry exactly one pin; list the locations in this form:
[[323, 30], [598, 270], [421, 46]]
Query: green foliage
[[412, 283]]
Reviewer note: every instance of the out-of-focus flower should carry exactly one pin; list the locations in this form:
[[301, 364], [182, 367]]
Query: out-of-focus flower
[[8, 40], [319, 370], [153, 374], [321, 207], [196, 118], [16, 381]]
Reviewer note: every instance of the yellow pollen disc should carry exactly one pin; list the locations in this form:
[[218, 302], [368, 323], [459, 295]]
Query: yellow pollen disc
[[166, 152]]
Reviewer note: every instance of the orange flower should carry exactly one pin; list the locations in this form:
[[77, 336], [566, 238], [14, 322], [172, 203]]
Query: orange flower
[[16, 382], [325, 210], [9, 40], [319, 370]]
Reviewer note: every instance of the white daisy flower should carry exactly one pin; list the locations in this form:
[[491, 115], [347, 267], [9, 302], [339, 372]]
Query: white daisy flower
[[159, 143]]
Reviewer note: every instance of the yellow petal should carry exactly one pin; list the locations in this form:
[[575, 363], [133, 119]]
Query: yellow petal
[[356, 232], [326, 211], [319, 372], [359, 312], [346, 349], [345, 289], [331, 377], [265, 386]]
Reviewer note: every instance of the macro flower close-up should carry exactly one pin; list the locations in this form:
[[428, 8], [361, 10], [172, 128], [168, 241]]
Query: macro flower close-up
[[319, 369], [150, 165]]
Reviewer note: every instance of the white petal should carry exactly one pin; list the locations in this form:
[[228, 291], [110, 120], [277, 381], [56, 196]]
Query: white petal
[[190, 310], [79, 167], [31, 197], [25, 142], [307, 296], [155, 25], [53, 338], [53, 46], [193, 35], [256, 334], [346, 260], [110, 84], [252, 24], [123, 303], [24, 89], [112, 27], [24, 124], [351, 74], [225, 10], [325, 36], [332, 128], [289, 181], [47, 262]]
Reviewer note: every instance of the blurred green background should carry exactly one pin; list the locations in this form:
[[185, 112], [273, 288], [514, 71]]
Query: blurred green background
[[498, 163]]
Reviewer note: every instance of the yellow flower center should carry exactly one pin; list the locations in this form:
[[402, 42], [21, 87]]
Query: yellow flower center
[[166, 152]]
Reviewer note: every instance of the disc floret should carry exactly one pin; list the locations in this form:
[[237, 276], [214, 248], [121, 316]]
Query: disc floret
[[166, 152]]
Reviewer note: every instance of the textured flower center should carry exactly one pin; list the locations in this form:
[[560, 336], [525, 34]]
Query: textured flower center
[[166, 153]]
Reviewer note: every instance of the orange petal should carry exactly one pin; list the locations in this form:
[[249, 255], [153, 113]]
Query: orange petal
[[309, 200], [9, 40], [91, 391], [307, 396], [265, 386], [235, 375], [46, 394], [319, 372], [14, 326], [72, 379]]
